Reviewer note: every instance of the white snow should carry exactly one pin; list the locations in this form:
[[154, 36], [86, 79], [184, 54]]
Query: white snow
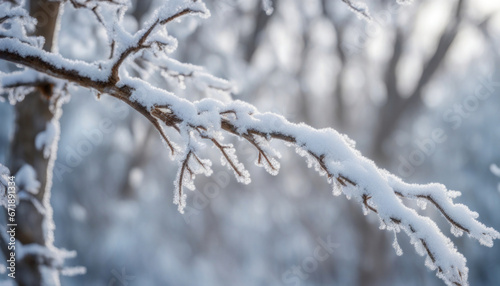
[[267, 5], [26, 179], [496, 171], [360, 8], [45, 140], [173, 68], [54, 255], [20, 22], [396, 246], [329, 152], [82, 68], [4, 184]]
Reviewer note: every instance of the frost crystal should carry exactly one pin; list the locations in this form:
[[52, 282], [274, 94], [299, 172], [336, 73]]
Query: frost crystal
[[421, 203], [456, 231], [365, 209], [428, 262], [4, 183], [47, 139], [419, 248], [396, 246], [382, 224]]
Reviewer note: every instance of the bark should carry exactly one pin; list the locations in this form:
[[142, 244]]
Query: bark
[[32, 116]]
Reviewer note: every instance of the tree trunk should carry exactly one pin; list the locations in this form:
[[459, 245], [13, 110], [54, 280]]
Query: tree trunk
[[32, 116]]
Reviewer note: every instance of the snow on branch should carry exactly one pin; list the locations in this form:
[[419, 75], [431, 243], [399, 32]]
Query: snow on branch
[[169, 67], [4, 185], [48, 256], [125, 45], [359, 8], [95, 6], [207, 122]]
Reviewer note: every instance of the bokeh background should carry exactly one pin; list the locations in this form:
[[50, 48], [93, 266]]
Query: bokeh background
[[389, 84]]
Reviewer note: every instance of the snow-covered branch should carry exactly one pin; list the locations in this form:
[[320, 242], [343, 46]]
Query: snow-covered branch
[[208, 122], [15, 22], [147, 38], [360, 8], [4, 185]]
